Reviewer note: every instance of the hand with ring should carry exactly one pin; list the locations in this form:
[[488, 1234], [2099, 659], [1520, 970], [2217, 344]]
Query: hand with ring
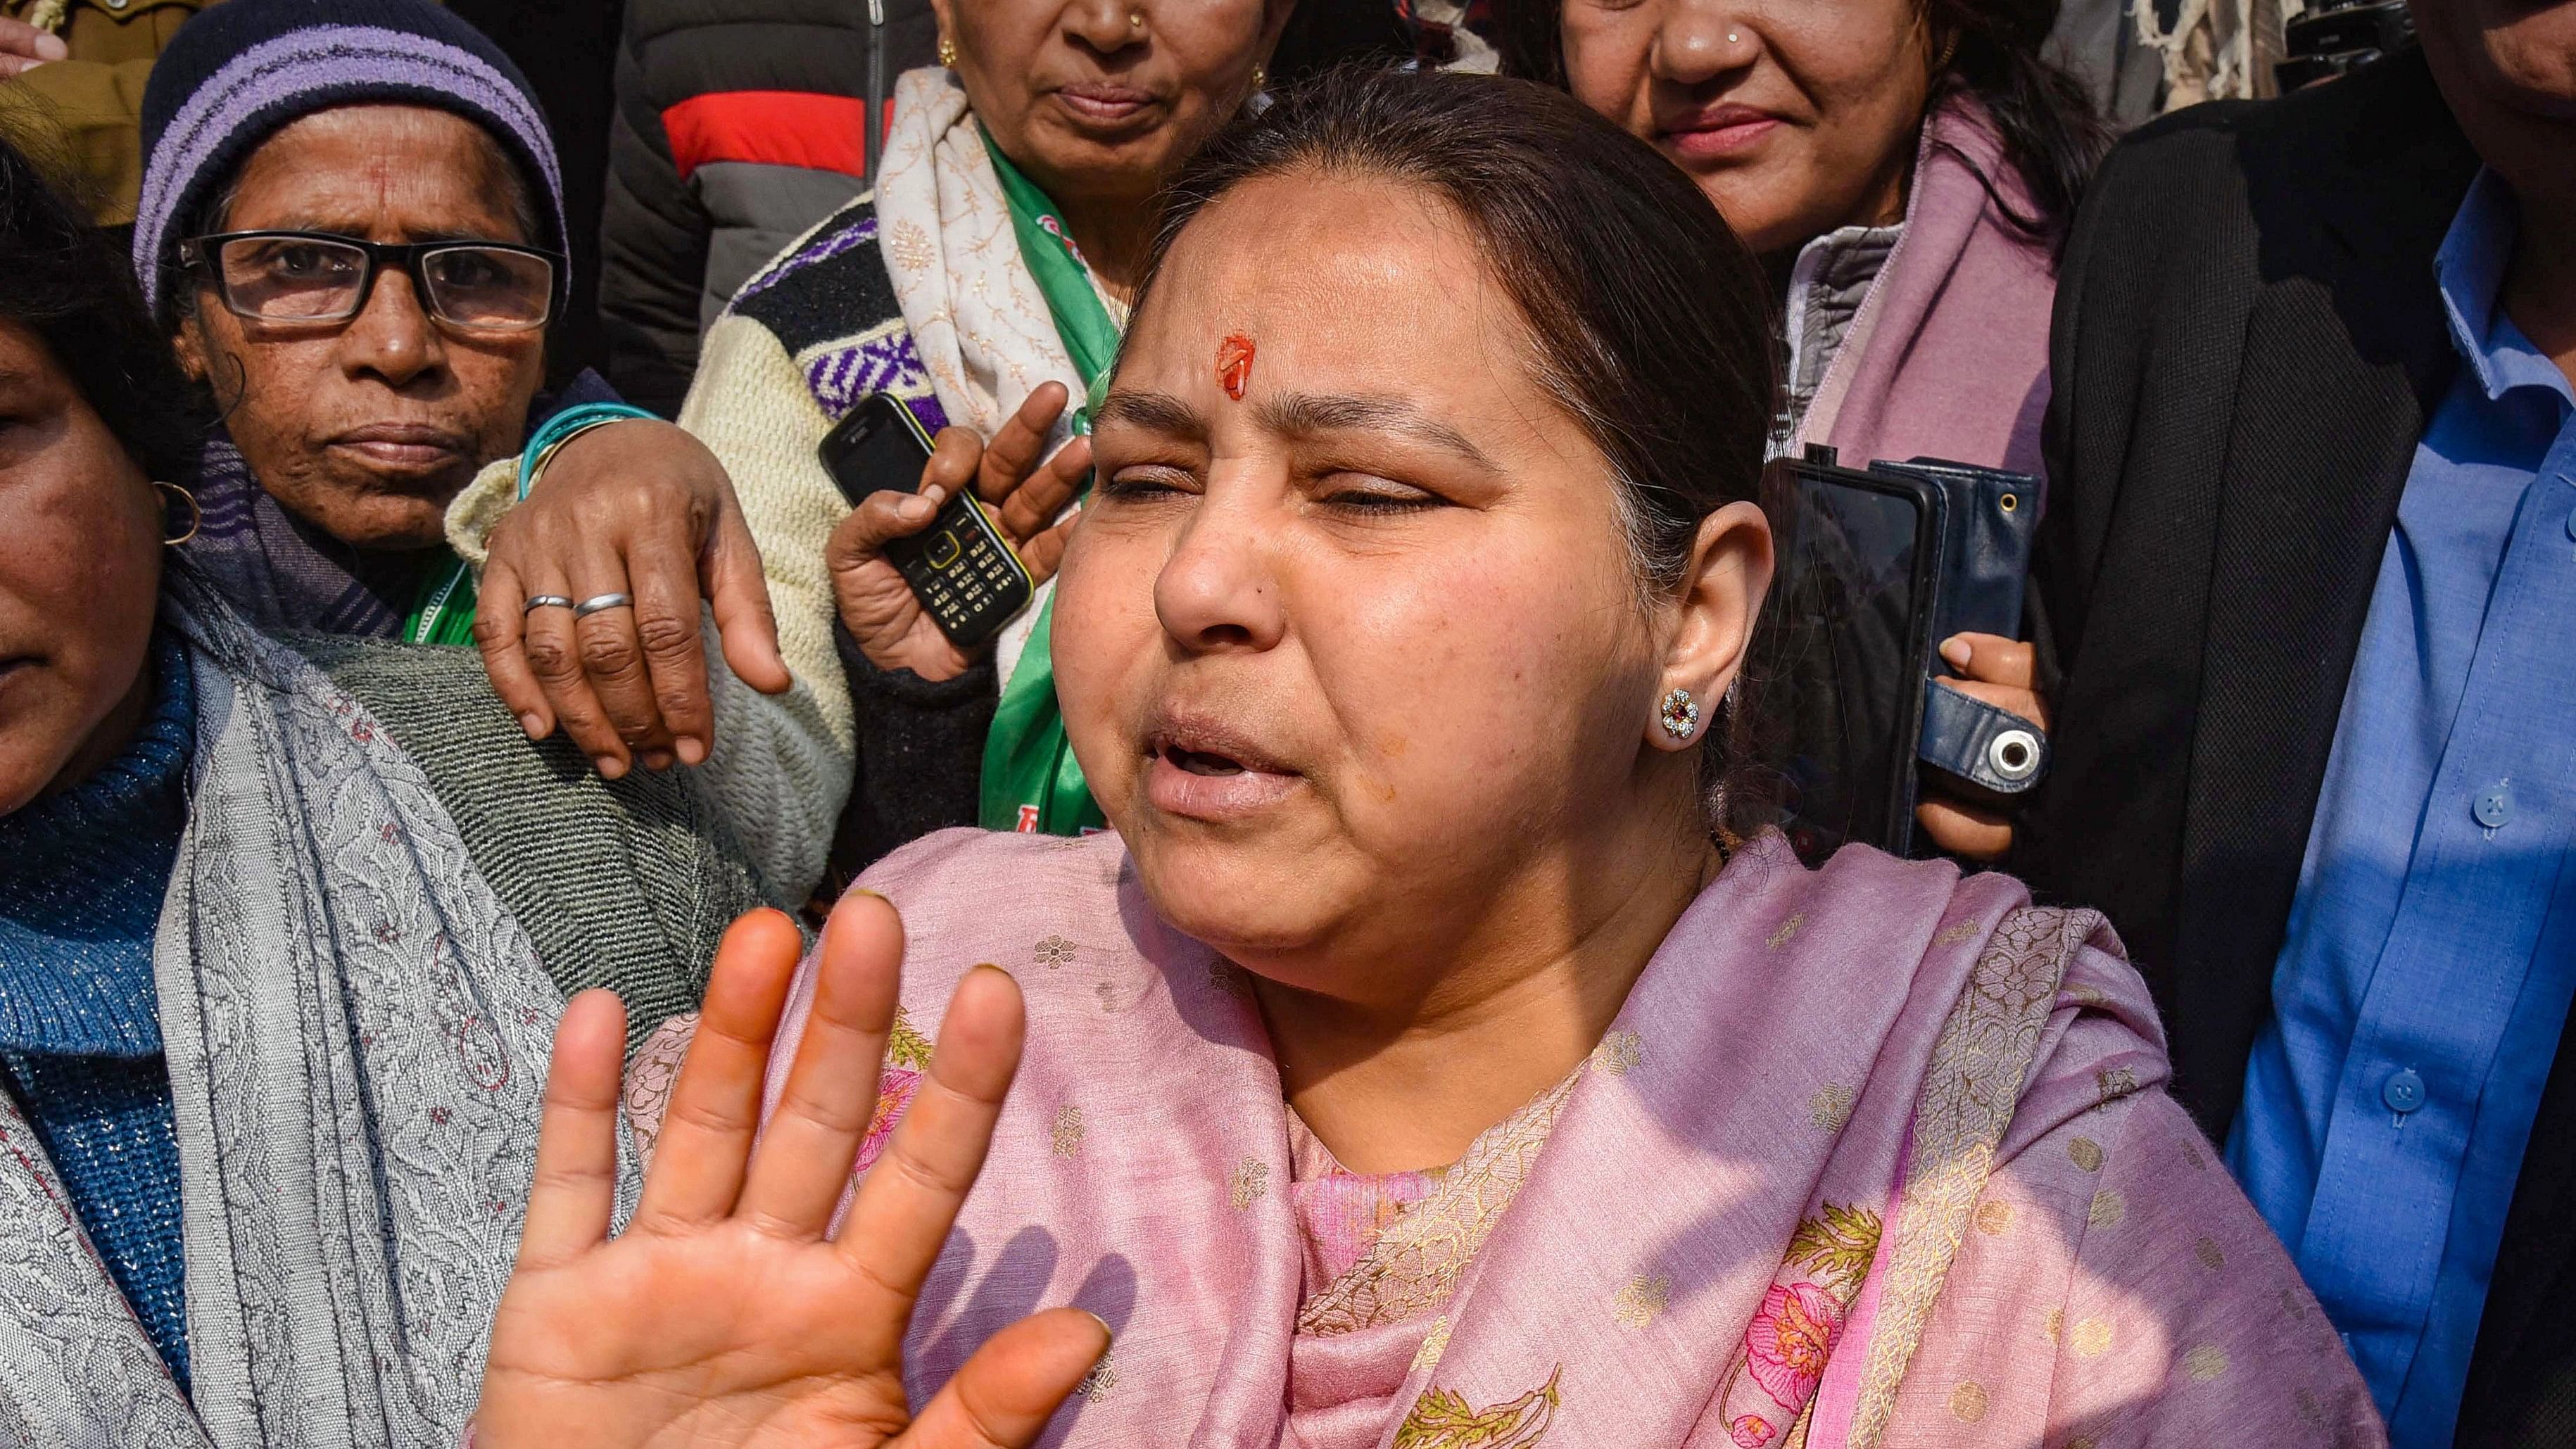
[[631, 530]]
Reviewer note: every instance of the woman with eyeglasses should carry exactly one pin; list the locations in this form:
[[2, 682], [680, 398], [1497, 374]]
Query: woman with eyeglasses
[[352, 228]]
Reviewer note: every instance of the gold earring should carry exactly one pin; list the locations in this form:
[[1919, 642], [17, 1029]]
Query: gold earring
[[947, 53], [1135, 19], [1260, 76], [196, 515]]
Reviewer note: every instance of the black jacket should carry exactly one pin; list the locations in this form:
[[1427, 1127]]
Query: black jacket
[[2249, 341], [767, 100]]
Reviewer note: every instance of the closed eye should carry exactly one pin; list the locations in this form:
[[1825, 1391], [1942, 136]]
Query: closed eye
[[1370, 496], [1146, 485]]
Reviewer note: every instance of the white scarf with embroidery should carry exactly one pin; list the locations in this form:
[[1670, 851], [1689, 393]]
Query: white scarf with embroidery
[[975, 313]]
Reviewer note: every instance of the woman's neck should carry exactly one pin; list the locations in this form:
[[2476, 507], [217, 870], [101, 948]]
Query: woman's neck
[[1113, 237], [1511, 1008]]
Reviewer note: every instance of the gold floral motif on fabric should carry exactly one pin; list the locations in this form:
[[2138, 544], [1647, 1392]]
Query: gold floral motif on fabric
[[1250, 1183], [1442, 1419], [1969, 1093], [1415, 1263]]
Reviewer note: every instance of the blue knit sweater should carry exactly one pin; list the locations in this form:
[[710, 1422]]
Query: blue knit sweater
[[80, 1032]]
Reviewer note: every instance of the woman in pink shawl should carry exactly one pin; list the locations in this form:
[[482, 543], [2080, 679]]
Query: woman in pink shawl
[[1426, 1061]]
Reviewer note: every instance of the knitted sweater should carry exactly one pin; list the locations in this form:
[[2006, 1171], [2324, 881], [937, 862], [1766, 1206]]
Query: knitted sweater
[[80, 1036], [621, 883]]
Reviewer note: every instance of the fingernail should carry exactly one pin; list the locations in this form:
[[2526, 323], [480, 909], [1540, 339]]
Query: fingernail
[[860, 890], [915, 508], [534, 724], [657, 759], [52, 47], [1957, 653], [693, 751], [1106, 1332], [610, 767], [989, 966]]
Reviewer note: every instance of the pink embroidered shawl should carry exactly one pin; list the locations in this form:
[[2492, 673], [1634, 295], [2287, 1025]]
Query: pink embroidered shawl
[[1873, 1154], [1948, 355]]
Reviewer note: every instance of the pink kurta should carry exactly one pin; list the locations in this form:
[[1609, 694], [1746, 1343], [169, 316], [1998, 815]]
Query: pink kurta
[[1872, 1155]]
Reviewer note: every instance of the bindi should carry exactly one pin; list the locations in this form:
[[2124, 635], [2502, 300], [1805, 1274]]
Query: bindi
[[1234, 364]]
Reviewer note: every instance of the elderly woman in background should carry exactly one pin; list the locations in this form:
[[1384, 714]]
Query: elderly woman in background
[[984, 283], [352, 225], [294, 147], [281, 939], [1423, 1061], [1906, 171]]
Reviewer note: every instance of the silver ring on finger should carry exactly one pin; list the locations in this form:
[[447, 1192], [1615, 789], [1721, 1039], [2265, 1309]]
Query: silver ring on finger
[[544, 601], [601, 604]]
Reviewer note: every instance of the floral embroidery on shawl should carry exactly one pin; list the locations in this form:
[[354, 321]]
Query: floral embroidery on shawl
[[1791, 1336], [1794, 1333], [1839, 1241], [907, 1057], [1442, 1419]]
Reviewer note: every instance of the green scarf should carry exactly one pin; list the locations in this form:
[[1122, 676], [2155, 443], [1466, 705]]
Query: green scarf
[[1031, 780]]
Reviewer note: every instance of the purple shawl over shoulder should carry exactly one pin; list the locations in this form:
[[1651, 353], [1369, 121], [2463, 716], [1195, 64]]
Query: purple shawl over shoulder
[[1872, 1154], [1948, 355]]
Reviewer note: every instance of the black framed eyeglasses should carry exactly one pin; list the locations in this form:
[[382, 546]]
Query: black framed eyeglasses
[[314, 276]]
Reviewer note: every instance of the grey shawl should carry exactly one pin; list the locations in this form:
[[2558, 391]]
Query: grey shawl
[[357, 1031]]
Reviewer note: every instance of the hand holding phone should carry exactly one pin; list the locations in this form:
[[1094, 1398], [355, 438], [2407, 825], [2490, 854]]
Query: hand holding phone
[[923, 579]]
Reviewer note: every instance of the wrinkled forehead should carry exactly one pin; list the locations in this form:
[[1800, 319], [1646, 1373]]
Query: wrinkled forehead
[[344, 164], [1337, 284]]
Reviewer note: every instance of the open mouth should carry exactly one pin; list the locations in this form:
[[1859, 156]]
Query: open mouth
[[1203, 778], [1201, 762]]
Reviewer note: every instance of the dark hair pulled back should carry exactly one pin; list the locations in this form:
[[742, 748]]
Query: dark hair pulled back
[[62, 279], [1649, 321], [2050, 129]]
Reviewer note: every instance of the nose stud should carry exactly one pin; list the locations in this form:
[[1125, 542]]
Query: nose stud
[[1680, 714]]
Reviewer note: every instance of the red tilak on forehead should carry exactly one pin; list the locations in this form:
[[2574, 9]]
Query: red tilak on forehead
[[1234, 364]]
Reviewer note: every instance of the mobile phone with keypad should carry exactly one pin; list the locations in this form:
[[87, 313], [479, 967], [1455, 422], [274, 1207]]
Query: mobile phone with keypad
[[961, 568]]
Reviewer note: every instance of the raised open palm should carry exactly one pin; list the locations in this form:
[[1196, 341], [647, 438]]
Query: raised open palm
[[723, 1315]]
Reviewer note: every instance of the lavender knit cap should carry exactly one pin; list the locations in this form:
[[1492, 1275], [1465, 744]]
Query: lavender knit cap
[[236, 74]]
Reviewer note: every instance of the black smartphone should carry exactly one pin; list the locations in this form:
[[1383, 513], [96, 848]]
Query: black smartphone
[[1859, 555], [961, 568]]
